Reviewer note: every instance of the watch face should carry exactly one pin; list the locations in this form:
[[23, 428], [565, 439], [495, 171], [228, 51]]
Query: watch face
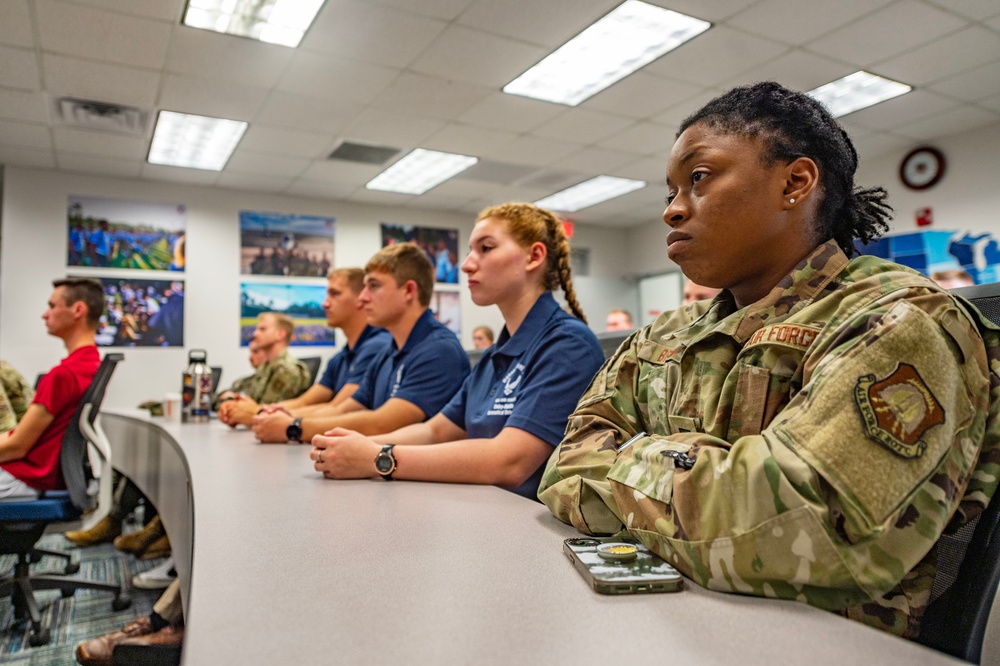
[[294, 432], [922, 168], [384, 463]]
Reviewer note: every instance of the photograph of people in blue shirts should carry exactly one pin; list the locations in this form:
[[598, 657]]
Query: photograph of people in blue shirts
[[511, 412]]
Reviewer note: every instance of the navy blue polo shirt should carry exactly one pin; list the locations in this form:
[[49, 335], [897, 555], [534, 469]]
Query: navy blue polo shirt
[[349, 365], [427, 371], [530, 381]]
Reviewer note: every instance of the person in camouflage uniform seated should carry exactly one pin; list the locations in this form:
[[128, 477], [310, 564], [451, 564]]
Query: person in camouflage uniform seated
[[810, 432], [15, 396], [279, 377]]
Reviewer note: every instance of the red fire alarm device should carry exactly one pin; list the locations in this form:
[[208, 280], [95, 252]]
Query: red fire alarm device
[[925, 217]]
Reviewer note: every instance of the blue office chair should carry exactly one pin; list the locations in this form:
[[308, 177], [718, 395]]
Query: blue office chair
[[968, 560], [23, 523]]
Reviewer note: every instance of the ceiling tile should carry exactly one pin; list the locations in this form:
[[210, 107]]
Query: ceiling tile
[[550, 23], [83, 163], [468, 140], [25, 135], [209, 54], [990, 103], [894, 29], [327, 116], [282, 141], [643, 139], [167, 10], [675, 115], [391, 128], [70, 29], [15, 23], [107, 144], [650, 169], [22, 105], [253, 182], [716, 55], [796, 69], [430, 96], [100, 82], [900, 110], [301, 187], [339, 171], [708, 10], [379, 198], [26, 157], [534, 150], [949, 123], [217, 98], [247, 161], [958, 52], [18, 68], [178, 174], [790, 22], [442, 9], [380, 34], [582, 126], [510, 112], [477, 57], [642, 95], [877, 145], [593, 161], [318, 75], [971, 86]]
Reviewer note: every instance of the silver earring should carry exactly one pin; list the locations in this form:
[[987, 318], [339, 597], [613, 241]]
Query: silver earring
[[791, 201]]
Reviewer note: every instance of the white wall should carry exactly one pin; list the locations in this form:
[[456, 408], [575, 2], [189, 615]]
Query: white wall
[[968, 197], [33, 217]]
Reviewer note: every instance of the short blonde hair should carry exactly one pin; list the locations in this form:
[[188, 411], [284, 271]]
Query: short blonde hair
[[355, 277], [404, 262], [283, 322]]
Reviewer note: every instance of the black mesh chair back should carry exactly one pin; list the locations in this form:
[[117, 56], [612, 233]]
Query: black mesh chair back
[[611, 340], [73, 459], [968, 560], [312, 365], [216, 378]]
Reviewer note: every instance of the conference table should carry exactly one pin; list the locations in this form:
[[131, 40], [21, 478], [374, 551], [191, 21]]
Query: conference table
[[278, 565]]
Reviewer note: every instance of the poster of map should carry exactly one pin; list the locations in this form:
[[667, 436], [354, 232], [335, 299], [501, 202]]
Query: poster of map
[[977, 253]]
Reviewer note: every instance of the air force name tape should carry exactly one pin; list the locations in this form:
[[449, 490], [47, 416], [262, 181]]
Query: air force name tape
[[898, 410], [788, 335]]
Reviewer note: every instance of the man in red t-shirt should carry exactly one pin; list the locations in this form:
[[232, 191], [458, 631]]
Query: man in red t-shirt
[[29, 454]]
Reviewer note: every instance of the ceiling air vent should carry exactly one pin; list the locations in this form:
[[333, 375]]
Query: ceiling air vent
[[102, 116], [360, 152]]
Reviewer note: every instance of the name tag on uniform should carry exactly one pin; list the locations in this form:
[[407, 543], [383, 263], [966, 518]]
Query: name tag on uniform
[[792, 336]]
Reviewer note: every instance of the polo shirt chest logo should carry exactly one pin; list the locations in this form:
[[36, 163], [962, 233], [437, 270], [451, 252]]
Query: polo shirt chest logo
[[503, 404]]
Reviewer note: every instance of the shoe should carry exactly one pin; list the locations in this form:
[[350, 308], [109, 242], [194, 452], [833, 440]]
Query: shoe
[[103, 532], [137, 542], [97, 651], [157, 549], [156, 578], [163, 647]]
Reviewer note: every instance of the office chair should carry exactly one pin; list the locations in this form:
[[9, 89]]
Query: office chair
[[312, 365], [216, 378], [969, 560], [23, 523]]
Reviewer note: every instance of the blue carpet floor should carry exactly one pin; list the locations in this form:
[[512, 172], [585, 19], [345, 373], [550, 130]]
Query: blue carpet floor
[[85, 615]]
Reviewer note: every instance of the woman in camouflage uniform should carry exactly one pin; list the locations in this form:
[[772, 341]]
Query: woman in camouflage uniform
[[810, 432]]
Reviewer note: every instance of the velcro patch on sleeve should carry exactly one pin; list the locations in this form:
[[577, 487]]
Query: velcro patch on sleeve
[[877, 418]]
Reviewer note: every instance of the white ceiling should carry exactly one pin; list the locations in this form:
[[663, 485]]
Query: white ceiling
[[428, 73]]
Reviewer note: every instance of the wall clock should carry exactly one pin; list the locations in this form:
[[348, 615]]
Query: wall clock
[[922, 168]]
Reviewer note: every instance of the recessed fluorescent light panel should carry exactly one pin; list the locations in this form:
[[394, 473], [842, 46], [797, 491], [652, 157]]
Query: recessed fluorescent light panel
[[857, 91], [590, 192], [195, 142], [420, 170], [275, 21], [633, 35]]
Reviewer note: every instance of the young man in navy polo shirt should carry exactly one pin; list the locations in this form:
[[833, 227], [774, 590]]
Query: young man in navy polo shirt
[[412, 379], [29, 454], [346, 369]]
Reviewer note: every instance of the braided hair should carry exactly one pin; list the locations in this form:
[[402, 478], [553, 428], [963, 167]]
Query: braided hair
[[791, 125], [530, 224]]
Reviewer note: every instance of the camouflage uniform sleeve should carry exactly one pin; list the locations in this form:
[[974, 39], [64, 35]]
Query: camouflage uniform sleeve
[[15, 396], [836, 501], [286, 378]]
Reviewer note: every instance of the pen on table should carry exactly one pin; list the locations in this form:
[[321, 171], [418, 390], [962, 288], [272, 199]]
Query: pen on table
[[632, 441]]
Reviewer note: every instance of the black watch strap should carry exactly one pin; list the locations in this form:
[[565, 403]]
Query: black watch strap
[[294, 430], [385, 462]]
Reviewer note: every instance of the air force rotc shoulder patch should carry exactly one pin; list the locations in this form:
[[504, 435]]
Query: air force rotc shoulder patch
[[896, 411]]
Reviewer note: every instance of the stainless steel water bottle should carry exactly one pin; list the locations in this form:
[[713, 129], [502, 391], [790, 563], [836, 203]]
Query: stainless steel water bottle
[[197, 388]]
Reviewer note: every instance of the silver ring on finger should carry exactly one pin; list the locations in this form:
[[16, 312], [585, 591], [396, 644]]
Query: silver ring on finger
[[319, 457]]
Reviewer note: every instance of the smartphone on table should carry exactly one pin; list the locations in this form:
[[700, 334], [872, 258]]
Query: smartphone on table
[[616, 565]]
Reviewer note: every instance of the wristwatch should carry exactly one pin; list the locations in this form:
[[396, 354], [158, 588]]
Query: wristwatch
[[385, 462], [294, 430]]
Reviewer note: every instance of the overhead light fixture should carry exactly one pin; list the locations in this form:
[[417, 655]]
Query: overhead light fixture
[[419, 171], [589, 193], [633, 35], [857, 91], [274, 21], [195, 142]]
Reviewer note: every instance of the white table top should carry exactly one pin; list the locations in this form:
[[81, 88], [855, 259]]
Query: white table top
[[291, 568]]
